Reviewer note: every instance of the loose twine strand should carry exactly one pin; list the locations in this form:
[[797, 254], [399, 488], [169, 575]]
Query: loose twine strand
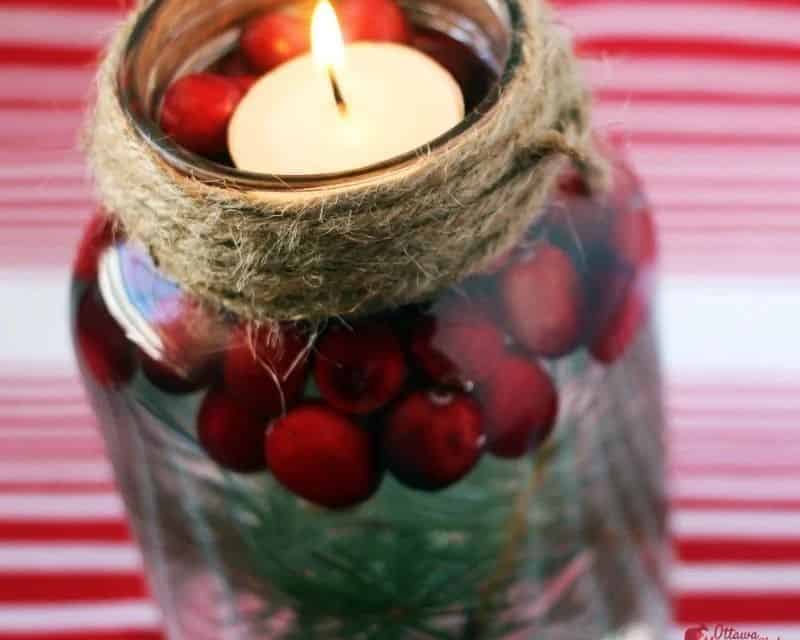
[[311, 255]]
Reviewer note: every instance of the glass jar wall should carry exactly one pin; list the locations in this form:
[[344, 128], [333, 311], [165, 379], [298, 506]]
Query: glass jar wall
[[484, 464]]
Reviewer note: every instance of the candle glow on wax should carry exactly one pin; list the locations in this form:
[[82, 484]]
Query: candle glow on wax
[[341, 108]]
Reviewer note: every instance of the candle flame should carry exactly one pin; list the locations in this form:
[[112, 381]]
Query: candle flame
[[327, 44]]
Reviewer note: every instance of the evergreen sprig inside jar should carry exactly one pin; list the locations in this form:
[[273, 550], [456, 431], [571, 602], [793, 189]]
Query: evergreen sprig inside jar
[[366, 318]]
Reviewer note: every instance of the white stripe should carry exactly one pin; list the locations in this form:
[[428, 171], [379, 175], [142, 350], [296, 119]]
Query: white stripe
[[69, 557], [57, 27], [735, 523], [52, 434], [65, 506], [714, 325], [84, 617], [25, 82], [88, 470], [78, 411], [695, 74], [665, 195], [697, 119], [736, 486], [75, 213], [733, 422], [685, 19], [43, 192], [736, 578], [35, 329]]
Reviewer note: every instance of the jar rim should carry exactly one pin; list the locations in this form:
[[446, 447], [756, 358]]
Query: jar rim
[[205, 170]]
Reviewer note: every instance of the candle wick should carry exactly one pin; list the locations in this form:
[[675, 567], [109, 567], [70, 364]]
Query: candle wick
[[337, 92]]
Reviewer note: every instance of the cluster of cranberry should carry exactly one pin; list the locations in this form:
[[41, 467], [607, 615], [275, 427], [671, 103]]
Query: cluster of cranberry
[[423, 391], [197, 108]]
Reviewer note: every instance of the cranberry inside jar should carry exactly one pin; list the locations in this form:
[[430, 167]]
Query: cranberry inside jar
[[485, 459]]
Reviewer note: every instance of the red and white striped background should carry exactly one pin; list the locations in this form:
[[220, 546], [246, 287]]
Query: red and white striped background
[[708, 96]]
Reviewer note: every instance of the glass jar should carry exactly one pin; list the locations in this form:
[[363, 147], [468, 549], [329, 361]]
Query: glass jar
[[484, 464]]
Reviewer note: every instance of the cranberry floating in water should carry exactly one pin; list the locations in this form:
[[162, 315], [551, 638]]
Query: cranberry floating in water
[[374, 20], [520, 407], [231, 434], [266, 371], [197, 109], [359, 369], [433, 439], [97, 237], [622, 327], [322, 456], [543, 301], [274, 38], [460, 344], [633, 237], [104, 348]]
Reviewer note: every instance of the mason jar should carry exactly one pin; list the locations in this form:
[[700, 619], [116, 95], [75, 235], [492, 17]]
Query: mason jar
[[486, 463]]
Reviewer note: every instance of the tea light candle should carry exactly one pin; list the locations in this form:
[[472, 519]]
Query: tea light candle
[[341, 108]]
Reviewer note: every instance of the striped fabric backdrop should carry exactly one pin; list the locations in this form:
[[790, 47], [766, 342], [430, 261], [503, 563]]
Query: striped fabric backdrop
[[707, 95]]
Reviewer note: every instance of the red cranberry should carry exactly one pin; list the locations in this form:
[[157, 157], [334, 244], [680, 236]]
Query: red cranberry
[[234, 65], [274, 38], [98, 236], [266, 371], [197, 109], [375, 20], [359, 369], [433, 439], [621, 328], [544, 301], [520, 404], [104, 348], [231, 434], [320, 455], [573, 185], [633, 236], [461, 344]]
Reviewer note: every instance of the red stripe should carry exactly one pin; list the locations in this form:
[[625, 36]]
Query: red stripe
[[121, 634], [666, 47], [35, 588], [48, 56], [697, 96], [736, 550], [64, 530], [739, 608]]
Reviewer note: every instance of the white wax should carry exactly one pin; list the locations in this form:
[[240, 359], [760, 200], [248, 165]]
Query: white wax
[[398, 99]]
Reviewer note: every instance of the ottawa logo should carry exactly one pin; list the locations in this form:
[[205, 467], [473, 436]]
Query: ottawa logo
[[697, 633]]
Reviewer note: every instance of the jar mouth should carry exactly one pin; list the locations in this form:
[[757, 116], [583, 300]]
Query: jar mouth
[[145, 72]]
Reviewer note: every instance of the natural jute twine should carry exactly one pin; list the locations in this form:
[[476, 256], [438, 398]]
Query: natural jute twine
[[375, 244]]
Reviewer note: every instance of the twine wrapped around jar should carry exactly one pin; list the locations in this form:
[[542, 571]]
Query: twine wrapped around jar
[[373, 243]]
